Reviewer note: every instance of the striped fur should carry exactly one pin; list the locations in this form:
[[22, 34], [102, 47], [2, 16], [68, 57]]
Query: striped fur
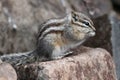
[[55, 25]]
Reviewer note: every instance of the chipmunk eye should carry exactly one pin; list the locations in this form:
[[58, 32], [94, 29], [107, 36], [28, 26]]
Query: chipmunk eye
[[87, 23]]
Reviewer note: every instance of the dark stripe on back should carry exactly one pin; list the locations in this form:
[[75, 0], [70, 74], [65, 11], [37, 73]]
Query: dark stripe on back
[[54, 31], [54, 24]]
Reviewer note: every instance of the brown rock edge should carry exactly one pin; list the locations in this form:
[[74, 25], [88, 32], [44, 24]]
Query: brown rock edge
[[86, 64], [7, 72]]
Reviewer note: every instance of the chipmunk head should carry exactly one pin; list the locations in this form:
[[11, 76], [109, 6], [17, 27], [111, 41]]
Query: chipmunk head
[[80, 26]]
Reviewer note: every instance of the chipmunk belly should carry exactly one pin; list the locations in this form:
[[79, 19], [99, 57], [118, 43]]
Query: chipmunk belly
[[56, 39]]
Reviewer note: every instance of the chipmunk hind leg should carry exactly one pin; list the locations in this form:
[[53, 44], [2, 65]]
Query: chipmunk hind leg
[[45, 49]]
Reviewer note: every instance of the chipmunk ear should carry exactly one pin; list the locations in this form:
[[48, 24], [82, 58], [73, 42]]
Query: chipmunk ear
[[69, 16]]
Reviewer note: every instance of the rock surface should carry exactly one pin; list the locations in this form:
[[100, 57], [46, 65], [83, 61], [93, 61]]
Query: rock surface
[[85, 64], [7, 72], [115, 21], [116, 3]]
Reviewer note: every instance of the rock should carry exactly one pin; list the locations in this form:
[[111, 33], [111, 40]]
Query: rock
[[85, 64], [7, 72], [96, 8], [115, 21], [14, 41], [116, 4], [10, 39]]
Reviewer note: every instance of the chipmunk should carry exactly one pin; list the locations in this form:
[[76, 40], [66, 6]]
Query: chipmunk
[[57, 36]]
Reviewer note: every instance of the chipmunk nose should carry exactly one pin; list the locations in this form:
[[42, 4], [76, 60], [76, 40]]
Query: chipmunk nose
[[91, 33]]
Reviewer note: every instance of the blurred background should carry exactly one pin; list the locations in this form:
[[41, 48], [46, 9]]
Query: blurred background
[[20, 20]]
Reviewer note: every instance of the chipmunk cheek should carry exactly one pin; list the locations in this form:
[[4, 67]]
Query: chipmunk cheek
[[81, 36], [78, 33]]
